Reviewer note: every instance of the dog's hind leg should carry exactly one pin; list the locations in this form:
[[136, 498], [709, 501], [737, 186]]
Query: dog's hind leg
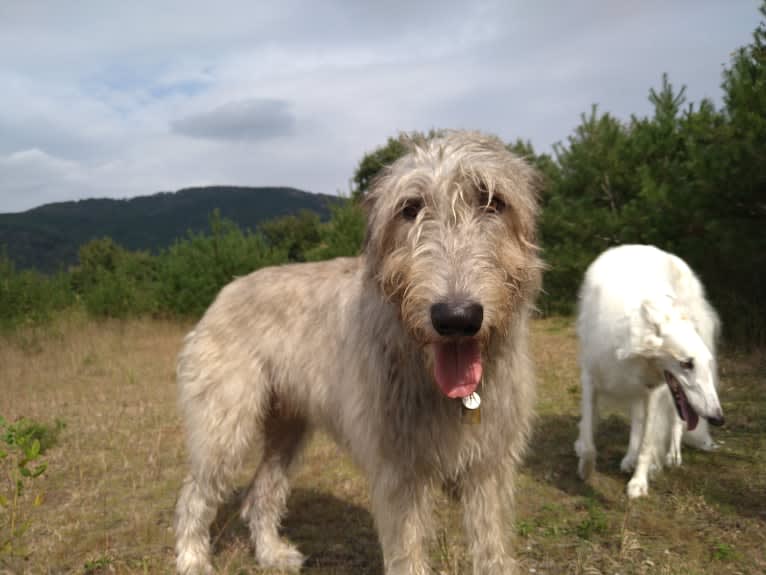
[[637, 420], [221, 426], [266, 499], [585, 446]]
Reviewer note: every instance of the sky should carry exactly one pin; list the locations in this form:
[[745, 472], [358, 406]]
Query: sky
[[119, 99]]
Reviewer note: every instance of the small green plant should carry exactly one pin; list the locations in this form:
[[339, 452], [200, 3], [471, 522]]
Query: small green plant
[[523, 528], [95, 566], [21, 445], [594, 523], [723, 552]]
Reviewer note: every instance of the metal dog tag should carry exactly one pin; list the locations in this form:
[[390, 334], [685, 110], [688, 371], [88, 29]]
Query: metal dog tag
[[471, 410]]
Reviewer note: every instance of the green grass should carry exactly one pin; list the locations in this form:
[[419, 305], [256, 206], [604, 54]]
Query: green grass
[[115, 469]]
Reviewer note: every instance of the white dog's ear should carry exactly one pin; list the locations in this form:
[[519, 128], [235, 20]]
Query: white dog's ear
[[654, 316], [645, 329]]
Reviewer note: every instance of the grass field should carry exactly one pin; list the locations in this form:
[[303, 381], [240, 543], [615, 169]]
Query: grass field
[[106, 500]]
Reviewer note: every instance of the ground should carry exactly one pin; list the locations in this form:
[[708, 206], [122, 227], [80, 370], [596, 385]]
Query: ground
[[105, 502]]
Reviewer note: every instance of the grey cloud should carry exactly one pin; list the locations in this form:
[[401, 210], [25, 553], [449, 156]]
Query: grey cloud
[[116, 112], [254, 119], [30, 175], [36, 132]]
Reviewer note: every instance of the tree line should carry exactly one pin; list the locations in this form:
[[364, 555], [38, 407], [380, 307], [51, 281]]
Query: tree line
[[689, 178]]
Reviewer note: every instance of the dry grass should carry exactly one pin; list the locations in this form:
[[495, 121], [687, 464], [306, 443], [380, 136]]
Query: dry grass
[[112, 479]]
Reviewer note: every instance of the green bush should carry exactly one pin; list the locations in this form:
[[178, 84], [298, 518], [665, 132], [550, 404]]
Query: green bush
[[194, 270], [28, 297], [113, 282], [342, 235]]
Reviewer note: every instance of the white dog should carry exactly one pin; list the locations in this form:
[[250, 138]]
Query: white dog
[[647, 340]]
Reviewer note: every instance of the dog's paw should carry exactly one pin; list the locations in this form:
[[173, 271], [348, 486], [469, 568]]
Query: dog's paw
[[586, 466], [190, 563], [587, 462], [628, 463], [280, 555], [638, 487], [673, 457], [703, 444]]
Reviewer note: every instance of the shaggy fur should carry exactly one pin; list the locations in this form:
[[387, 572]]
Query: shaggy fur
[[643, 324], [349, 346]]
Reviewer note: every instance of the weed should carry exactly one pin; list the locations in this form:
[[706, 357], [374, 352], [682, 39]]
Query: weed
[[97, 566], [22, 444], [723, 552], [594, 523]]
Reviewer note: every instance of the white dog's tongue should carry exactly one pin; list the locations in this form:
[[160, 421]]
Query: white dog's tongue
[[458, 367], [689, 415]]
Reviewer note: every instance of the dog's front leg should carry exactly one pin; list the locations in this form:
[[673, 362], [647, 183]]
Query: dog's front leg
[[401, 511], [638, 485], [486, 514]]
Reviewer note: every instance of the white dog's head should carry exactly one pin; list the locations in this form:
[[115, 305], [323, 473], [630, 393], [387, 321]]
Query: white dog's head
[[663, 335]]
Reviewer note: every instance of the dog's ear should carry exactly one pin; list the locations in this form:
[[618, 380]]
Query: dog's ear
[[372, 204], [645, 331]]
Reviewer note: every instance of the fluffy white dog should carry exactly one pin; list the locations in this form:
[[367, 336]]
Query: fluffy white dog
[[647, 340]]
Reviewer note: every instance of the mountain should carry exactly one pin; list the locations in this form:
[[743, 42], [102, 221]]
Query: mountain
[[48, 237]]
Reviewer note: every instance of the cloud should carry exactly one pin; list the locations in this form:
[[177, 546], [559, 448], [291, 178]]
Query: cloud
[[29, 172], [129, 105], [253, 119]]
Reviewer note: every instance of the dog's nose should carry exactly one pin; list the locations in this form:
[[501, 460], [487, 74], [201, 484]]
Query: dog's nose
[[457, 318], [717, 420]]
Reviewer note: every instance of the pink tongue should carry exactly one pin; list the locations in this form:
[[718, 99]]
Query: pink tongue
[[689, 415], [458, 367]]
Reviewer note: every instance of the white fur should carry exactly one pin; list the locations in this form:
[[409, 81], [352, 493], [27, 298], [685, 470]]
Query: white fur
[[642, 311]]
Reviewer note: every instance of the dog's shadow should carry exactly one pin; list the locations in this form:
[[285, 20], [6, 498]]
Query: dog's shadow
[[551, 457], [335, 536]]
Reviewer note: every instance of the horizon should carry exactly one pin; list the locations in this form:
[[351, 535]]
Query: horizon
[[170, 192]]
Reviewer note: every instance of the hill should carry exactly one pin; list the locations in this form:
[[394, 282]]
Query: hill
[[49, 236]]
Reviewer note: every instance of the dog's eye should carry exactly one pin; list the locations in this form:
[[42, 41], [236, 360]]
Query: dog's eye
[[494, 205], [411, 208], [687, 364]]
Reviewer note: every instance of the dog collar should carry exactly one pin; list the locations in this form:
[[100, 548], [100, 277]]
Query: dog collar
[[471, 410]]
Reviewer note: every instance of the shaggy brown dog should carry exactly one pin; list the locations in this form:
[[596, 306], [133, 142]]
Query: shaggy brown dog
[[379, 351]]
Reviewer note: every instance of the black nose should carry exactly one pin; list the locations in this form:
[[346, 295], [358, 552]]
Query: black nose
[[457, 318], [717, 421]]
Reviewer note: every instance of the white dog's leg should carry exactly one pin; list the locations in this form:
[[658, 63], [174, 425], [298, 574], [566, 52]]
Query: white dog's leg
[[401, 511], [700, 438], [647, 456], [585, 446], [484, 510], [637, 420], [673, 457]]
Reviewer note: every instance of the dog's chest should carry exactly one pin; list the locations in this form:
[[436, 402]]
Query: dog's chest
[[431, 434]]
